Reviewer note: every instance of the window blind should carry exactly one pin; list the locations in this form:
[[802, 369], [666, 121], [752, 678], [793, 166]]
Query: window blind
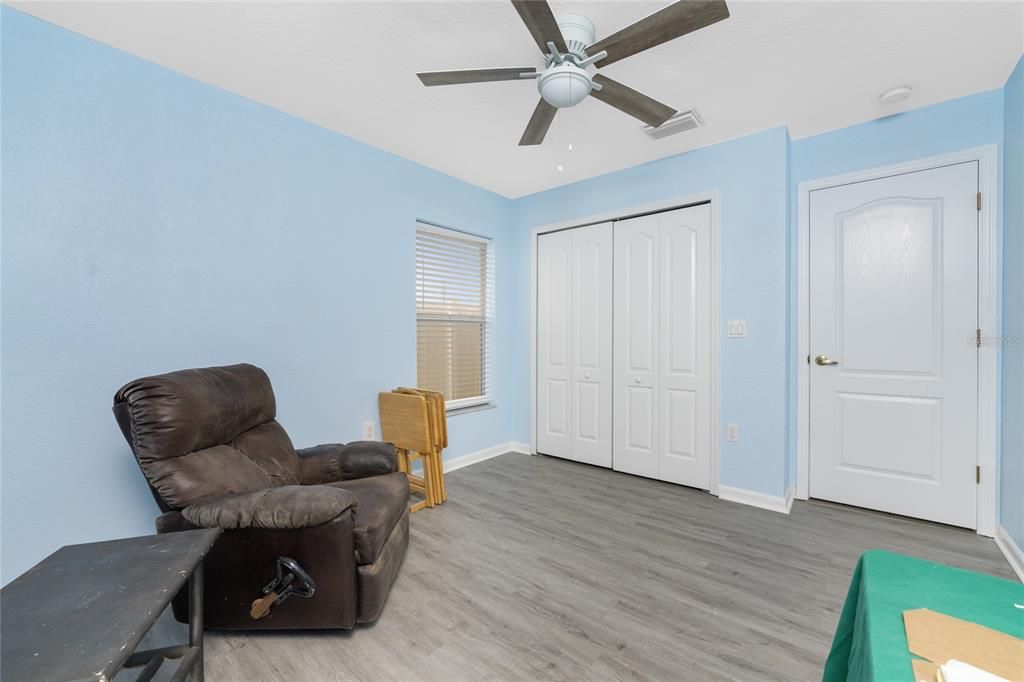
[[454, 315]]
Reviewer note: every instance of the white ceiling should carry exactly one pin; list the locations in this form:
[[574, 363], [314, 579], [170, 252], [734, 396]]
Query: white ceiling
[[350, 67]]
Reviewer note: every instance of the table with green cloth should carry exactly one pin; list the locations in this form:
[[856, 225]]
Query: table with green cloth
[[870, 642]]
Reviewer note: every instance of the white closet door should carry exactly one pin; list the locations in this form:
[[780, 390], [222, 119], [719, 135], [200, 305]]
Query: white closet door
[[662, 363], [592, 344], [635, 411], [685, 335], [554, 344]]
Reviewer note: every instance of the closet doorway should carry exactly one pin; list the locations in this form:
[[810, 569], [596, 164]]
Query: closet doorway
[[625, 341]]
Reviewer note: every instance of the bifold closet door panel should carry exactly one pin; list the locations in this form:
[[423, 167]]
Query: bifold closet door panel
[[685, 346], [554, 344], [662, 355], [635, 364], [592, 344]]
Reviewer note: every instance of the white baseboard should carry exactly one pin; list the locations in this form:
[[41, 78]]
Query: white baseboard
[[1011, 551], [775, 503], [487, 453]]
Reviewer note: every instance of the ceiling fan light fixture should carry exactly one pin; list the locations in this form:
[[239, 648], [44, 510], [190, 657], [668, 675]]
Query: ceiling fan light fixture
[[567, 45], [564, 85]]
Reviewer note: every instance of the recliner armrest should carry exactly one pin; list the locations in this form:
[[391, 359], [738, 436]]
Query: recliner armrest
[[337, 462], [289, 506]]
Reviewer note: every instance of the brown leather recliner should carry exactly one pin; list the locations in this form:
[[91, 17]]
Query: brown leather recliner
[[214, 456]]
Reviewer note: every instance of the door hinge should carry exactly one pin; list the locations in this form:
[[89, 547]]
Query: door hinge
[[977, 338], [977, 474], [979, 201]]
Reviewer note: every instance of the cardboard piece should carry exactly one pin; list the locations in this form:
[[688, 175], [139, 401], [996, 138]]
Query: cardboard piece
[[939, 638], [924, 671]]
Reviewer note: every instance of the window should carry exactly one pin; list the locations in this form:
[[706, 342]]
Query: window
[[454, 315]]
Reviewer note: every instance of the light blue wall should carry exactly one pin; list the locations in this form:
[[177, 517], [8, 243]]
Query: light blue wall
[[950, 126], [759, 271], [932, 130], [1012, 480], [791, 326], [750, 173], [150, 223]]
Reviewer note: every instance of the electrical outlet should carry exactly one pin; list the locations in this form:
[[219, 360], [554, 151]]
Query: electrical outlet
[[737, 329], [369, 431], [732, 433]]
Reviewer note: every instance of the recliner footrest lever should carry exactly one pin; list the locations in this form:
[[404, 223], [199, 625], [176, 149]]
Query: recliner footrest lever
[[291, 579]]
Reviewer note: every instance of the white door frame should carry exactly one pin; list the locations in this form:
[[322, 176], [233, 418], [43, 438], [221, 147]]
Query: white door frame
[[988, 313], [620, 214]]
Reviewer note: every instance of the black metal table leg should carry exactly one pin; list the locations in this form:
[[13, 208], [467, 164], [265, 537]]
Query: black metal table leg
[[195, 619]]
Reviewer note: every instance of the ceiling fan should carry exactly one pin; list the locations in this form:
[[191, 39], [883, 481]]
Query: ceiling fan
[[567, 43]]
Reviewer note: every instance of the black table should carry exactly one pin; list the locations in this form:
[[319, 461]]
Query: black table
[[79, 613]]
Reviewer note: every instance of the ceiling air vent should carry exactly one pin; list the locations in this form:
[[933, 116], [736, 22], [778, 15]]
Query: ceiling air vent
[[681, 122]]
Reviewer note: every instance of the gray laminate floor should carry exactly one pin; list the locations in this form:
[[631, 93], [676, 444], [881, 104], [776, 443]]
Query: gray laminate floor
[[538, 568]]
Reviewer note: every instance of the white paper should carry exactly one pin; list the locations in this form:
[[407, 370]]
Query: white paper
[[958, 671]]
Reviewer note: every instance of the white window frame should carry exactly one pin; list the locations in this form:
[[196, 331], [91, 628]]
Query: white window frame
[[487, 369]]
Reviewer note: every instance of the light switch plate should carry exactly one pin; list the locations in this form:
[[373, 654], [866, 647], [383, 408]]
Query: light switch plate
[[369, 431], [737, 329], [732, 433]]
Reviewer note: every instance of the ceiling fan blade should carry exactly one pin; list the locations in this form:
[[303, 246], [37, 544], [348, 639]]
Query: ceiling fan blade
[[666, 24], [537, 16], [539, 123], [636, 104], [473, 75]]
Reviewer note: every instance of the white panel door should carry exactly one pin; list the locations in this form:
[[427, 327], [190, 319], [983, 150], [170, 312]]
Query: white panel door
[[554, 344], [685, 346], [893, 293], [635, 433], [591, 335]]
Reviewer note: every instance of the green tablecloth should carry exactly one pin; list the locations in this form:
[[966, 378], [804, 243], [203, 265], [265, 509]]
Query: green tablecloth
[[870, 642]]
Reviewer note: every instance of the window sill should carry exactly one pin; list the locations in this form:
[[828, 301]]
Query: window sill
[[466, 409]]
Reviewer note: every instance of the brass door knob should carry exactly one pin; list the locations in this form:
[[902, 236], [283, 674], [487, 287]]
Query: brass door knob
[[824, 360]]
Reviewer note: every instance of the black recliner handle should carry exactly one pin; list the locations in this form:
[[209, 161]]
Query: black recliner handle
[[291, 579]]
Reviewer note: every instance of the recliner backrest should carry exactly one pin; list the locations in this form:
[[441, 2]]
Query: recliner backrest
[[199, 433]]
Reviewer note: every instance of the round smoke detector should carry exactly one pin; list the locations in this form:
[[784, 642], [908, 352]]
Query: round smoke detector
[[564, 85], [894, 95]]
